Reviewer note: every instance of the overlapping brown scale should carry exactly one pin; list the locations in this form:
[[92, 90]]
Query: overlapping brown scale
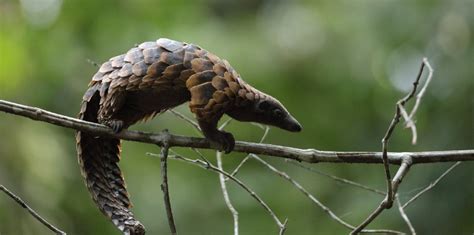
[[183, 77], [200, 64], [145, 84], [156, 69], [162, 84], [146, 45], [172, 58], [168, 44], [133, 55], [107, 78], [117, 61], [218, 107], [191, 48], [220, 97], [235, 87], [117, 83], [201, 53], [106, 67], [126, 70], [250, 96], [210, 104], [200, 94], [219, 69], [229, 93], [242, 93], [173, 71], [135, 79], [97, 76], [219, 83], [188, 57], [114, 74], [213, 58], [89, 93], [200, 78], [140, 68], [228, 77], [103, 90], [152, 54], [133, 82]]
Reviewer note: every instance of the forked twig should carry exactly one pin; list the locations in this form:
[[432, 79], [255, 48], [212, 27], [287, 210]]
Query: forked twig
[[391, 191], [431, 185], [31, 211]]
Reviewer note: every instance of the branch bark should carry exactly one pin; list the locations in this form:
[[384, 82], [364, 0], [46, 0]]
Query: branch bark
[[302, 155]]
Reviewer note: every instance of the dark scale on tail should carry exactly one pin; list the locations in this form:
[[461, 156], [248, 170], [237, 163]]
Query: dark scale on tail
[[147, 80]]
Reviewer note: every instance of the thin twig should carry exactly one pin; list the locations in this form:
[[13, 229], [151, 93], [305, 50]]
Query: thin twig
[[404, 216], [31, 211], [209, 166], [233, 211], [241, 163], [164, 187], [409, 123], [316, 201], [185, 118], [264, 136], [423, 89], [338, 179], [227, 122], [431, 185], [305, 155]]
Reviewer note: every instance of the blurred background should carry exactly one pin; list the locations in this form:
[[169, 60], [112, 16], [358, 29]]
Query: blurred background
[[338, 66]]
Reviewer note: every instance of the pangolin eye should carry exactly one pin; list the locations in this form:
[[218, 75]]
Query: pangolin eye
[[277, 113]]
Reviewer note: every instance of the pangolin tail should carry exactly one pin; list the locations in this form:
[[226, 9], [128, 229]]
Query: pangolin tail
[[98, 159]]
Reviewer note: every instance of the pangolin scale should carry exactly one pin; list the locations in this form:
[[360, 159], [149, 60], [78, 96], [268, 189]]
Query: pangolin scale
[[148, 79]]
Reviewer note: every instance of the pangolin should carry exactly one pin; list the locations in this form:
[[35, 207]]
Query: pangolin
[[151, 78]]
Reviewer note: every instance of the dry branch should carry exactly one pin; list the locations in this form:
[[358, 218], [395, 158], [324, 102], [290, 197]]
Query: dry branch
[[303, 155], [222, 182], [31, 211], [165, 189]]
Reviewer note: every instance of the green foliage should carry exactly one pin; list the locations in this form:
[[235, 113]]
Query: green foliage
[[338, 66]]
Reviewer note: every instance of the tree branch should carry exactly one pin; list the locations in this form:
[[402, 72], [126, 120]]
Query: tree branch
[[31, 211], [164, 187], [304, 155], [222, 182]]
